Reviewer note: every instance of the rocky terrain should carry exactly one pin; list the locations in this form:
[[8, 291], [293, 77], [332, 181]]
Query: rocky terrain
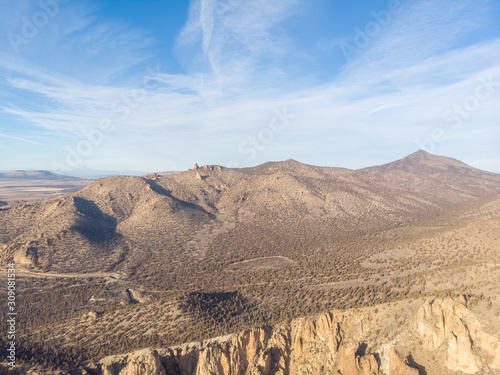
[[128, 263], [336, 343], [111, 216]]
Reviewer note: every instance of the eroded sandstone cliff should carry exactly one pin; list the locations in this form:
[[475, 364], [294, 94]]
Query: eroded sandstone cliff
[[332, 343], [450, 324]]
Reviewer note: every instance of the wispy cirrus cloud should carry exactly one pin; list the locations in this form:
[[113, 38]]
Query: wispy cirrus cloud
[[422, 30], [235, 42], [73, 40], [19, 139], [237, 68]]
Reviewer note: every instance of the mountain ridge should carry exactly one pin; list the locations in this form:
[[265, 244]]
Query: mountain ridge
[[284, 193], [36, 175], [422, 157], [435, 176]]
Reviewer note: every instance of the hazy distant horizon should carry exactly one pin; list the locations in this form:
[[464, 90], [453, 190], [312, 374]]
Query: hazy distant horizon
[[99, 173]]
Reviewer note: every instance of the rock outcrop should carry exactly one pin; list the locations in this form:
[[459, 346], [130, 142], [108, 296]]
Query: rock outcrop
[[399, 366], [328, 343], [449, 323], [352, 362], [27, 254], [321, 344], [142, 362]]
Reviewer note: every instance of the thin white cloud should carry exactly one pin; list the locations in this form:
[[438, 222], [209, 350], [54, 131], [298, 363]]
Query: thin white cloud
[[19, 139], [233, 42], [422, 29], [207, 8], [74, 41]]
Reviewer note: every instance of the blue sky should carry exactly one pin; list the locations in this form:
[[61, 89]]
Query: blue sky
[[158, 85]]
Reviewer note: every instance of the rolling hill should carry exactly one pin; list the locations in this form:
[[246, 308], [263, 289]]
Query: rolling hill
[[113, 222]]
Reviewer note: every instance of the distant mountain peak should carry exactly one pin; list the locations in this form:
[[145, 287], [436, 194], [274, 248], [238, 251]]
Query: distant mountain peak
[[36, 175], [421, 154], [421, 159]]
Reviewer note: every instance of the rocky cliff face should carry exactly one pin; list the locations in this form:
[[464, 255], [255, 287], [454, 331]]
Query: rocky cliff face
[[142, 362], [321, 344], [450, 324], [399, 366], [329, 343]]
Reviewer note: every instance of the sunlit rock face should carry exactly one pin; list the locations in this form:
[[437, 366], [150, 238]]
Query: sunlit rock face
[[328, 343], [449, 323]]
